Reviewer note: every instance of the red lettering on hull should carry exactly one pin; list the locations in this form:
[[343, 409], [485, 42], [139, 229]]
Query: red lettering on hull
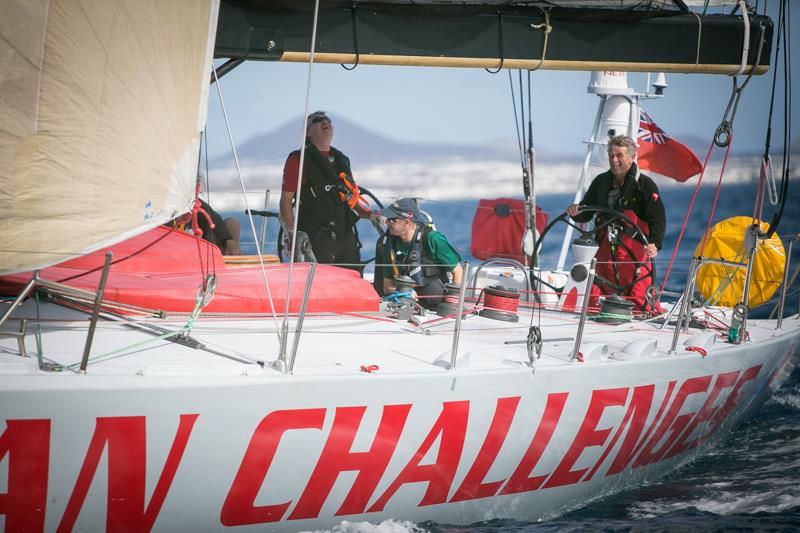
[[239, 508], [27, 444], [519, 481], [452, 426], [473, 486], [588, 435], [672, 423], [127, 468], [670, 433], [336, 457], [706, 412]]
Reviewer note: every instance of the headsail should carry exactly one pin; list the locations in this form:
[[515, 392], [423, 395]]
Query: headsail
[[103, 105]]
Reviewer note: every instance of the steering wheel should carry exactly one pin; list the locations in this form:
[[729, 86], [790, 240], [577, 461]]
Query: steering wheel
[[610, 220], [364, 192]]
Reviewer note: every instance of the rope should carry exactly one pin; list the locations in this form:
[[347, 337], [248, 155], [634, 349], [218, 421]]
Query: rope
[[500, 300], [247, 206], [355, 39], [699, 35], [516, 120], [745, 38], [716, 198], [615, 316], [547, 29], [722, 136], [127, 350], [302, 161], [500, 44], [689, 211], [39, 347], [353, 196]]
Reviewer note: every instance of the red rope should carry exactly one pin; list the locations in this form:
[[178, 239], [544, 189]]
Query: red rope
[[500, 300], [689, 211], [716, 195]]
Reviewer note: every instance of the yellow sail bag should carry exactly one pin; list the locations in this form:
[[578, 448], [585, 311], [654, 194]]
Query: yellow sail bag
[[724, 285]]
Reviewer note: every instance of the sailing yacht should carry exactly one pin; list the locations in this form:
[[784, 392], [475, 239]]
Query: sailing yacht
[[146, 385]]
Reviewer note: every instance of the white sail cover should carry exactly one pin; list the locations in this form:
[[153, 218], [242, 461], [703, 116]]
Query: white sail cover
[[102, 105]]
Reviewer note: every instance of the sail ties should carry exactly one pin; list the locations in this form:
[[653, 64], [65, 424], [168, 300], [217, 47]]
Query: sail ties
[[699, 35], [499, 44], [355, 39], [547, 29]]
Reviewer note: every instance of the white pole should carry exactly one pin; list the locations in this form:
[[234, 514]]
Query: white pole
[[579, 192]]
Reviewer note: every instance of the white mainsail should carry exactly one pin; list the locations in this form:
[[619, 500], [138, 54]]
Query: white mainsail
[[103, 102]]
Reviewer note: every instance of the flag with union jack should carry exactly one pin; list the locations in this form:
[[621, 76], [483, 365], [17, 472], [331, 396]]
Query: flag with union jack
[[660, 153]]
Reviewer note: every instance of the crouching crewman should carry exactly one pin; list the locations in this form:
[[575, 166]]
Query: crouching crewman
[[411, 248]]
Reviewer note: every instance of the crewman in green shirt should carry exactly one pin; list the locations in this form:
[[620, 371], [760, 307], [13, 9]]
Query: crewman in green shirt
[[415, 250]]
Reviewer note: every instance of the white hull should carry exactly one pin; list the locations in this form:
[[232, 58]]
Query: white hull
[[492, 438]]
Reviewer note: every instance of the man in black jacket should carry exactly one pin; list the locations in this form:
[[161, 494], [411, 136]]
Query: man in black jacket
[[624, 188], [324, 213], [621, 261]]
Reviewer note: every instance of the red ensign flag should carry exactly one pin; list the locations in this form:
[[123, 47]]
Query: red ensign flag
[[664, 155]]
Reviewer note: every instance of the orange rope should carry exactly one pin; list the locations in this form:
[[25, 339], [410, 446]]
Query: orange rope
[[355, 194]]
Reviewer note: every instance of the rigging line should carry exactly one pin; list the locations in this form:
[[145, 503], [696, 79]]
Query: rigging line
[[355, 39], [516, 120], [699, 35], [195, 205], [686, 218], [208, 195], [246, 203], [120, 260], [300, 170], [530, 114], [766, 165], [745, 38], [210, 258], [522, 123], [499, 44], [716, 198], [787, 108], [725, 129]]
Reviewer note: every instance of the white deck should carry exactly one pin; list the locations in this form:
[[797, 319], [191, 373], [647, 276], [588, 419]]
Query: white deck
[[330, 345]]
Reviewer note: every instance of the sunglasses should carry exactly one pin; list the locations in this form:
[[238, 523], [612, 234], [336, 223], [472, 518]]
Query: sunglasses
[[317, 120]]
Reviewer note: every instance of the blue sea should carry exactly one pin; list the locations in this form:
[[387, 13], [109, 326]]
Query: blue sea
[[749, 482]]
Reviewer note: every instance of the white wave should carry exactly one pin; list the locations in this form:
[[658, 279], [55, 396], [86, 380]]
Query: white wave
[[724, 503], [789, 399], [387, 526]]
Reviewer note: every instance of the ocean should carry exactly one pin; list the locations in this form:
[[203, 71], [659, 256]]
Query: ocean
[[749, 482]]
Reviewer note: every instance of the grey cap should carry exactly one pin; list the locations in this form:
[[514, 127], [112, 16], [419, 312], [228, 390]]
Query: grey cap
[[404, 208]]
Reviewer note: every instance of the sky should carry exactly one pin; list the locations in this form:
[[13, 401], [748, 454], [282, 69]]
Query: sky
[[472, 106]]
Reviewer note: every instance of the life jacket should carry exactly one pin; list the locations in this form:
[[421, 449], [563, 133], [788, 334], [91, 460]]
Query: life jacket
[[417, 264], [321, 206], [622, 259]]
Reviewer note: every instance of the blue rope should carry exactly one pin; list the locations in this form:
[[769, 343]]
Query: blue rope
[[394, 297]]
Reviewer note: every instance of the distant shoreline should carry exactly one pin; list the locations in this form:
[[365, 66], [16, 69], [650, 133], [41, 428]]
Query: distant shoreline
[[459, 179]]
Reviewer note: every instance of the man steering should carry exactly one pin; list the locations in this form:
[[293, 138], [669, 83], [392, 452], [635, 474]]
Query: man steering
[[625, 189]]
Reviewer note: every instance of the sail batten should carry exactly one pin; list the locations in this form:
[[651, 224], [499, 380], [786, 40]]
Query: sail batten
[[104, 130]]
